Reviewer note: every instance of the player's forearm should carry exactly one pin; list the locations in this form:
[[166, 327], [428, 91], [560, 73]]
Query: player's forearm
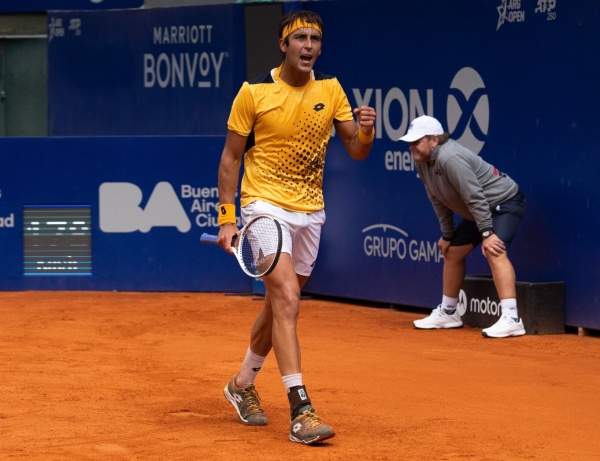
[[360, 145], [228, 175]]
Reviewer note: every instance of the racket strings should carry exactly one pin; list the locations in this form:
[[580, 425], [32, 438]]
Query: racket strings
[[259, 245]]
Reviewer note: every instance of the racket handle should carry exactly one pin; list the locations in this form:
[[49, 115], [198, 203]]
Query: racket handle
[[208, 238]]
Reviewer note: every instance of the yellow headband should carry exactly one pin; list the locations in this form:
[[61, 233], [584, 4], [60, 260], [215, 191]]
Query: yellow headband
[[299, 24]]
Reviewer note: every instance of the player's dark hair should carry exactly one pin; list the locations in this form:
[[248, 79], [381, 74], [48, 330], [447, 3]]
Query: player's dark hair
[[309, 17], [306, 16]]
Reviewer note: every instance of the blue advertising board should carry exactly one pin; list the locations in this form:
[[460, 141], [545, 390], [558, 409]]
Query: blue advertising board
[[112, 213], [511, 80], [162, 71]]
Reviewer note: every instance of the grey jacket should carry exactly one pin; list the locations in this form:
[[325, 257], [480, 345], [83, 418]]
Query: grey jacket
[[458, 181]]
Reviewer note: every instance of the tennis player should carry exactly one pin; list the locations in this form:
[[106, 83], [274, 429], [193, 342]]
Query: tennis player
[[491, 206], [283, 122]]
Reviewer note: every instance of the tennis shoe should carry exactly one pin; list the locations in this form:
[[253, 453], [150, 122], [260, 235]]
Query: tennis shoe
[[505, 327], [246, 403], [307, 428], [439, 319]]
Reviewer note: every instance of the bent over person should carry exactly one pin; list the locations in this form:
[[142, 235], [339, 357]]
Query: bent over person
[[283, 121], [491, 206]]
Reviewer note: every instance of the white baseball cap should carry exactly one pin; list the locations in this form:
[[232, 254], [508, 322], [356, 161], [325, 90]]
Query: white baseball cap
[[422, 126]]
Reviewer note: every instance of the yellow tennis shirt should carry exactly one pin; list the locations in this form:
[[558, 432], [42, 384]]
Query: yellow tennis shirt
[[288, 130]]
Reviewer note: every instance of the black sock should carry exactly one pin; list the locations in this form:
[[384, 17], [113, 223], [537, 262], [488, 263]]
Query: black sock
[[298, 398]]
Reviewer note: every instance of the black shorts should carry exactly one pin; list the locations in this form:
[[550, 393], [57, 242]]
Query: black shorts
[[506, 218]]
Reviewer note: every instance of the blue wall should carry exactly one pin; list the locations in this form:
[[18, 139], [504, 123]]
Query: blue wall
[[517, 86], [148, 239], [514, 81], [162, 71]]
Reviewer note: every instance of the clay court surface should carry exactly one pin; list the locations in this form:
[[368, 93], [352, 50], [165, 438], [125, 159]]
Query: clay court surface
[[140, 376]]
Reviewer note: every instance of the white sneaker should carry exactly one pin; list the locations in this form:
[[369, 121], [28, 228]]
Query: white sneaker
[[439, 319], [505, 327]]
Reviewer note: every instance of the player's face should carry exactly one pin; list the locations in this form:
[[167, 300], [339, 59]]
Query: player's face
[[421, 148], [303, 49]]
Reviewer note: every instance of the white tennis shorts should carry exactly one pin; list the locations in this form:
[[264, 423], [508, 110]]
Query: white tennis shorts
[[301, 232]]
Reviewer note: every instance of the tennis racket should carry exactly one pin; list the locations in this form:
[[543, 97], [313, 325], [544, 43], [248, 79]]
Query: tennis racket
[[256, 246]]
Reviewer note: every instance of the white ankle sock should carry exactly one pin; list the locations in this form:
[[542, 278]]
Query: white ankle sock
[[292, 380], [250, 368], [449, 304], [509, 307]]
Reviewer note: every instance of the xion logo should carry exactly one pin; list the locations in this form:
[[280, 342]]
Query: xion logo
[[121, 211], [468, 109]]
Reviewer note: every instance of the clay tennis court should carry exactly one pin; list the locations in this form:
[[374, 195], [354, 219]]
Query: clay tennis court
[[139, 376]]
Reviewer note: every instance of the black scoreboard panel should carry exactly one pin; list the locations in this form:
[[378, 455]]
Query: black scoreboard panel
[[57, 240]]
